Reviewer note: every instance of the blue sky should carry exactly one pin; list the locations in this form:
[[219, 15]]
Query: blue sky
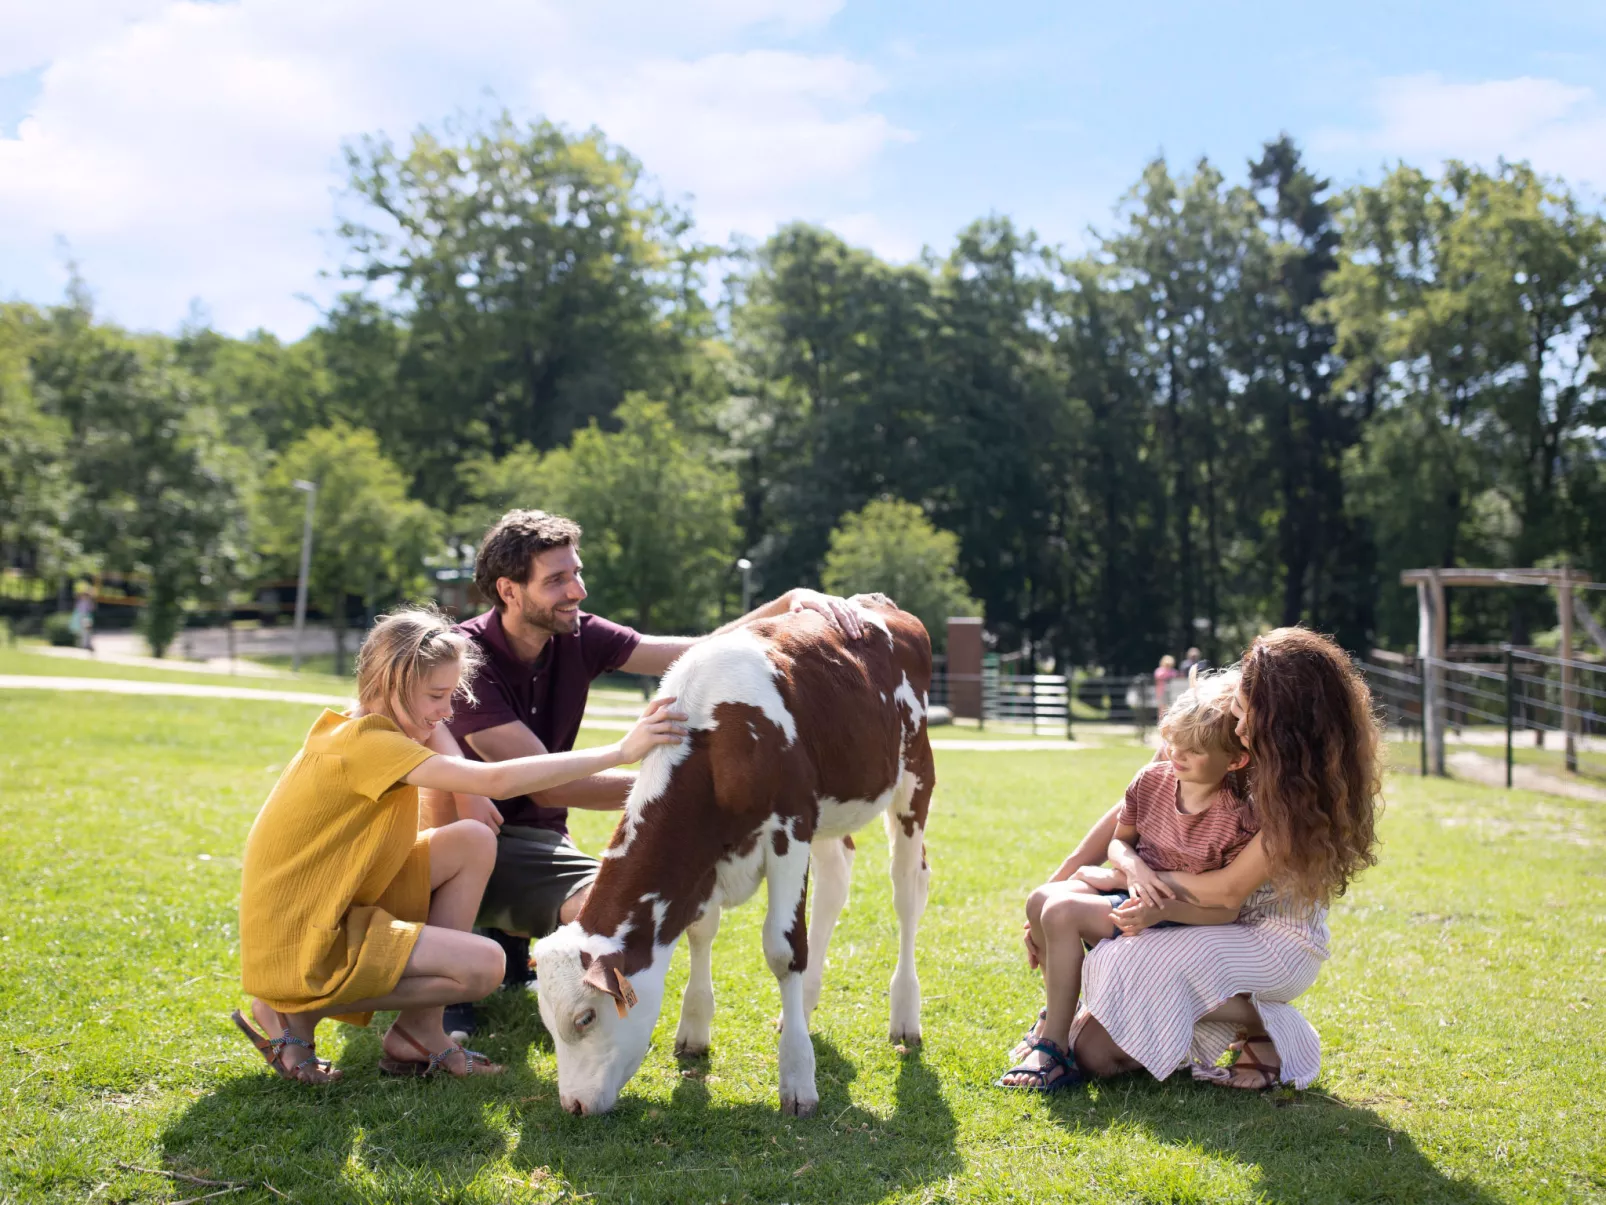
[[190, 152]]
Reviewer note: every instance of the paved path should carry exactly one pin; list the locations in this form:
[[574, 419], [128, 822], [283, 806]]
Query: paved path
[[1477, 768], [219, 665], [189, 690]]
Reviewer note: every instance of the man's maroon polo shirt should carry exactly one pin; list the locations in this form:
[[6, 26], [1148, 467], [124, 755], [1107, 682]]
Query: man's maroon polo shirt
[[548, 697]]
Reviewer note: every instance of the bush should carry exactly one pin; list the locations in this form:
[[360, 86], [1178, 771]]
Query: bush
[[58, 630], [891, 547]]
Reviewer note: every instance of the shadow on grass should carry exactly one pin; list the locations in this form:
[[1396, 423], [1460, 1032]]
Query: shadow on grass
[[305, 1139], [427, 1140], [699, 1150], [1306, 1146]]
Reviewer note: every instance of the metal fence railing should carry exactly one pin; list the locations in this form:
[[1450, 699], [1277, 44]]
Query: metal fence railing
[[1038, 702], [1541, 710], [1047, 703]]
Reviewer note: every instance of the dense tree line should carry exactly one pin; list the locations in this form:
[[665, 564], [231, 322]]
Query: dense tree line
[[1250, 401]]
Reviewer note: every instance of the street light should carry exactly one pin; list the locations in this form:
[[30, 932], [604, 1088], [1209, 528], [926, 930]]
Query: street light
[[746, 566], [306, 568]]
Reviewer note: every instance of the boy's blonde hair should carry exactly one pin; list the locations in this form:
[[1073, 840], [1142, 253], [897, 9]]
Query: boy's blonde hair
[[1201, 719], [403, 648]]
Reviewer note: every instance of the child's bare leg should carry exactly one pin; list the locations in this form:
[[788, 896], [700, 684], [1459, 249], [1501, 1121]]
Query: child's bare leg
[[1046, 893], [1066, 920], [1035, 903]]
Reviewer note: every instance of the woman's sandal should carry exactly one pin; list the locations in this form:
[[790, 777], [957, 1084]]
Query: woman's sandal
[[1061, 1060], [432, 1062], [1024, 1047], [270, 1049], [1269, 1076]]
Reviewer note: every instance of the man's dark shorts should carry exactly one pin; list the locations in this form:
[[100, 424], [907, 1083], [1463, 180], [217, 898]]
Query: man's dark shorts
[[536, 870]]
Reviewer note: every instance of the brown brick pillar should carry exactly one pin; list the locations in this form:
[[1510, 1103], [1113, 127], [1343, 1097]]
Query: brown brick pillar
[[964, 666]]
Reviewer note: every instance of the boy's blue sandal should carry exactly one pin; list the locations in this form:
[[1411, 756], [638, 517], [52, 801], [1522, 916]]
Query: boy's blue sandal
[[1060, 1060]]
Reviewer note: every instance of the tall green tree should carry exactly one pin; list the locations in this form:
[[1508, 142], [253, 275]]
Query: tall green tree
[[1303, 428], [158, 485], [995, 462], [1119, 602], [1183, 256], [37, 491], [268, 393], [1461, 305], [536, 280], [890, 547], [658, 512], [369, 539], [836, 392]]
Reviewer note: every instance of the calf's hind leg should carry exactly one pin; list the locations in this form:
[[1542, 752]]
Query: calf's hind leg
[[832, 859], [697, 1005]]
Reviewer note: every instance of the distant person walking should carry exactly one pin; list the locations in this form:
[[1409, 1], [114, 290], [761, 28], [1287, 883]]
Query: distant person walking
[[1164, 675], [81, 623], [1191, 660], [345, 906]]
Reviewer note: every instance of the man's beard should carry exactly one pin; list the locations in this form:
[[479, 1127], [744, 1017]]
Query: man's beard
[[546, 619]]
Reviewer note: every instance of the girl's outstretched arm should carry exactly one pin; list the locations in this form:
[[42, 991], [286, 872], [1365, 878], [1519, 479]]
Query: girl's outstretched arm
[[658, 725], [443, 807]]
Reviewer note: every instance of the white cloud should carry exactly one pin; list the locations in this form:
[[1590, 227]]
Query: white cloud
[[759, 137], [36, 31], [191, 150], [1559, 128]]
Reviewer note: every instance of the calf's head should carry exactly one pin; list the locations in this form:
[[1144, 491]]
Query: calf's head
[[600, 1020]]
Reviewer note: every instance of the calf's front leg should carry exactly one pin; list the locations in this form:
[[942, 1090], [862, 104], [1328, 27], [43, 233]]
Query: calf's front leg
[[911, 880], [697, 1005], [786, 949]]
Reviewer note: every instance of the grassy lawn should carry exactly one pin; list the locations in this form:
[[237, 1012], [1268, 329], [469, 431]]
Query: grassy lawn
[[25, 659], [1463, 1015]]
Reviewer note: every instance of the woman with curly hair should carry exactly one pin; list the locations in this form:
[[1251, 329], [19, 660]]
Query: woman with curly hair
[[1159, 998]]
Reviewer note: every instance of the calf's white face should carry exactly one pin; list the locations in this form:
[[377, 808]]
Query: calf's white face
[[598, 1049]]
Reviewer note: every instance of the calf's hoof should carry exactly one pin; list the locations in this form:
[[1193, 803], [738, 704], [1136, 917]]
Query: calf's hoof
[[904, 1037], [686, 1048], [799, 1106]]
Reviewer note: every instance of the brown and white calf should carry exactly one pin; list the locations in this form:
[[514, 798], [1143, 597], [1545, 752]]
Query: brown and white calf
[[800, 736]]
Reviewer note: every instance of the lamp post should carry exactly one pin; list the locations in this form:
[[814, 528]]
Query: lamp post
[[306, 567], [746, 566]]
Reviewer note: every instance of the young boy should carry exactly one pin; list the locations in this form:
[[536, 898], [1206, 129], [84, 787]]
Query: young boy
[[1185, 811]]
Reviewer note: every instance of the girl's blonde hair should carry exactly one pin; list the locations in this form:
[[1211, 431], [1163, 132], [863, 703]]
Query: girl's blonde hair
[[1201, 719], [403, 648]]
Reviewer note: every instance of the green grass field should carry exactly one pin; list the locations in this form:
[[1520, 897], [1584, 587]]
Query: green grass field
[[1463, 1015]]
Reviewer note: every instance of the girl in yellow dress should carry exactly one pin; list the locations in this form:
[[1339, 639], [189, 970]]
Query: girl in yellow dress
[[345, 907]]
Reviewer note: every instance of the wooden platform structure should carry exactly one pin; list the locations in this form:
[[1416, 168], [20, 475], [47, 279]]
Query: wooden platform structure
[[1433, 638]]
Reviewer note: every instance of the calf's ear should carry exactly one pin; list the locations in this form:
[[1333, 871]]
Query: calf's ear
[[610, 981]]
